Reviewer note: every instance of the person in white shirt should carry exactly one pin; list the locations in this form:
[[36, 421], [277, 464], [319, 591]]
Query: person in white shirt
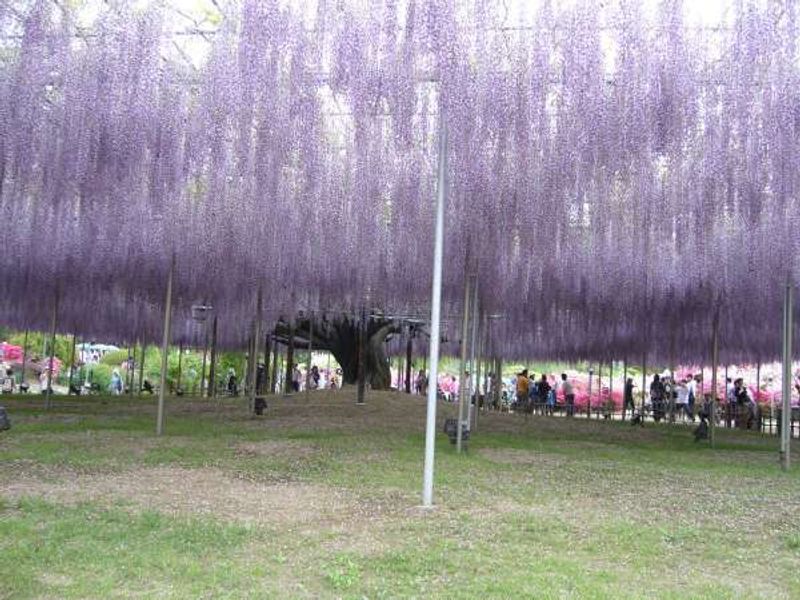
[[691, 395], [683, 396]]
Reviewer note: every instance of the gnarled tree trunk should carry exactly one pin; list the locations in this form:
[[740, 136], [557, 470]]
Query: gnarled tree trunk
[[340, 337]]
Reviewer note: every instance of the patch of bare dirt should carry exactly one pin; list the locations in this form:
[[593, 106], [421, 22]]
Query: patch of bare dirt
[[513, 456], [200, 492], [276, 449]]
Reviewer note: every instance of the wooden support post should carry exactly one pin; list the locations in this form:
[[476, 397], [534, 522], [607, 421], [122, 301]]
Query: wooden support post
[[203, 380], [712, 422], [71, 364], [362, 358], [49, 390], [141, 366], [254, 349], [786, 390], [165, 350], [309, 377], [129, 369], [409, 348], [644, 384], [289, 366], [24, 357], [178, 389], [624, 384], [267, 368], [462, 387], [211, 388]]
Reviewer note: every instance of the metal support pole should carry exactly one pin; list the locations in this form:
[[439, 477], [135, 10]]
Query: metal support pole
[[180, 368], [310, 351], [758, 393], [254, 355], [203, 381], [462, 385], [275, 356], [436, 298], [712, 422], [141, 366], [471, 382], [24, 357], [164, 349], [644, 384], [409, 348], [49, 390], [786, 388], [289, 366], [212, 368], [611, 386], [267, 356], [129, 370], [71, 364], [478, 373], [728, 415], [625, 384], [362, 358]]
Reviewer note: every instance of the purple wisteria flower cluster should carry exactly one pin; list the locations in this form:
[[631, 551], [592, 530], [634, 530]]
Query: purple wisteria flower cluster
[[617, 174]]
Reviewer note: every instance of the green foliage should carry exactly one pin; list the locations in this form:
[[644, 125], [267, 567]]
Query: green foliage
[[228, 360], [100, 375], [116, 358], [39, 345]]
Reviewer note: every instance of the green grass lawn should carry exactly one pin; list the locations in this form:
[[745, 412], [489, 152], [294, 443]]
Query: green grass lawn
[[320, 498]]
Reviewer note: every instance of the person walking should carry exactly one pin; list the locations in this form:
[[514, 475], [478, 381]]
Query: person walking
[[657, 398], [542, 392], [522, 385], [627, 397], [569, 395]]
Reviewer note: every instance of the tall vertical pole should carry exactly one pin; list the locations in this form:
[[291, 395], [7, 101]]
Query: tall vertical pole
[[471, 382], [24, 357], [712, 421], [49, 391], [624, 384], [164, 349], [289, 366], [267, 356], [758, 394], [478, 371], [786, 387], [362, 357], [254, 355], [212, 368], [129, 370], [275, 356], [644, 383], [462, 380], [436, 298], [409, 348], [310, 350], [71, 364], [611, 385], [728, 407], [589, 400], [180, 368], [203, 380], [141, 366]]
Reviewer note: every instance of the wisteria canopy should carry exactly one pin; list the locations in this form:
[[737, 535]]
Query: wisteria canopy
[[617, 172]]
